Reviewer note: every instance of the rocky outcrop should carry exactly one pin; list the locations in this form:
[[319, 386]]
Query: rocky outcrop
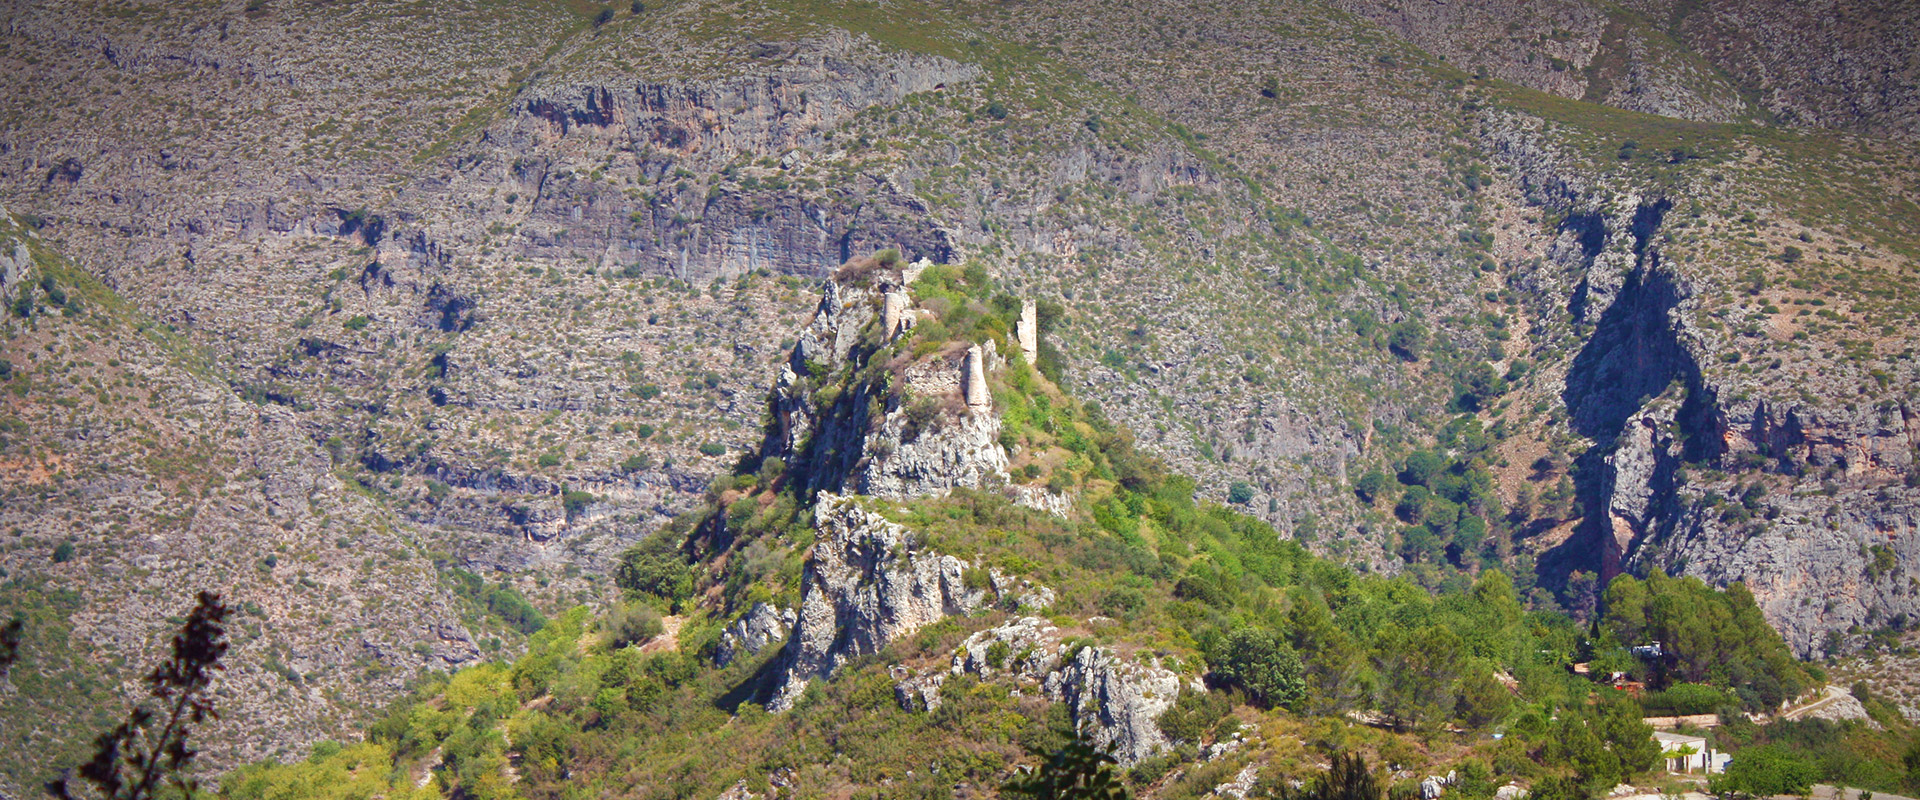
[[916, 691], [1241, 785], [956, 451], [761, 627], [1028, 647], [1695, 463], [14, 265], [921, 428], [1117, 699], [826, 346], [1122, 699], [867, 584]]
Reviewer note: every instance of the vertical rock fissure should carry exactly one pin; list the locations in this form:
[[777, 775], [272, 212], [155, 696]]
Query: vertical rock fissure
[[1614, 390]]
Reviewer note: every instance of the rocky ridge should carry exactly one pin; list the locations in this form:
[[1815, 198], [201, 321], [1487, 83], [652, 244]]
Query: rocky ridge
[[925, 428], [869, 581], [1118, 700], [867, 584]]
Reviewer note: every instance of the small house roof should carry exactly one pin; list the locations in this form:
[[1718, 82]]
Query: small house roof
[[1669, 741]]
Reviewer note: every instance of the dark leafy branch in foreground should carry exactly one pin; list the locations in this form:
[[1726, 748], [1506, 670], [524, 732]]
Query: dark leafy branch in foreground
[[149, 751]]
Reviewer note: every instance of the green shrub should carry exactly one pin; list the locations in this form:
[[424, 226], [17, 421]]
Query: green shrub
[[655, 567], [631, 624], [1407, 340], [1194, 714], [1558, 787], [1765, 771], [574, 501], [1371, 485], [1262, 665], [1682, 699], [499, 600]]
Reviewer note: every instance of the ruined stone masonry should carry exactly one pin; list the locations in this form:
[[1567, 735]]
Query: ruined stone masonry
[[978, 400], [1028, 331]]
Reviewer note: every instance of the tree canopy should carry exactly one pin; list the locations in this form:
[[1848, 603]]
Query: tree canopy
[[1706, 636]]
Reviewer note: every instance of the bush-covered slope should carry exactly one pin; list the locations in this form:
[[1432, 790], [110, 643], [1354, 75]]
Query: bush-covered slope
[[490, 289], [1054, 621]]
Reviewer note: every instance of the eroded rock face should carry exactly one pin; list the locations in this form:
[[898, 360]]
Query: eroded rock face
[[1695, 461], [702, 124], [1117, 698], [916, 691], [959, 451], [1570, 49], [1121, 697], [1027, 647], [14, 265], [761, 627], [869, 438], [865, 586]]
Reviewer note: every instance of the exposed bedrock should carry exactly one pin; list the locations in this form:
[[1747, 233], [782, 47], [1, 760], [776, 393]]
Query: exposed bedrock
[[1700, 469]]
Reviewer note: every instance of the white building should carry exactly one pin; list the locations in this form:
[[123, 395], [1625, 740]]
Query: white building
[[1685, 753]]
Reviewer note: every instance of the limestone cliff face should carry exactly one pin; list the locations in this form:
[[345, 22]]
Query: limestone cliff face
[[1825, 63], [763, 626], [1797, 486], [1569, 48], [1120, 698], [1828, 64], [782, 110], [809, 87], [1117, 699], [869, 583]]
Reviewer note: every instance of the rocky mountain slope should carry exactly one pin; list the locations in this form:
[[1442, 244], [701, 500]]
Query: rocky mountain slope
[[911, 640], [495, 287]]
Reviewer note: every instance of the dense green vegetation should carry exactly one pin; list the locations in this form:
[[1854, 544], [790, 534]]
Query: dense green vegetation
[[1765, 771], [1707, 636], [499, 600]]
